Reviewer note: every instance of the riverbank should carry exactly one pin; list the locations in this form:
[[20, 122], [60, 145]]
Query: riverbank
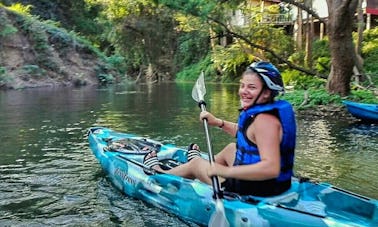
[[36, 54], [332, 111]]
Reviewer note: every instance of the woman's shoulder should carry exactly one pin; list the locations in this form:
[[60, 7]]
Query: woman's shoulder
[[267, 118]]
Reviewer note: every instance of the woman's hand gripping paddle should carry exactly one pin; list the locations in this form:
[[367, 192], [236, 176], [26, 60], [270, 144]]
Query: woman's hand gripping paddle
[[218, 219]]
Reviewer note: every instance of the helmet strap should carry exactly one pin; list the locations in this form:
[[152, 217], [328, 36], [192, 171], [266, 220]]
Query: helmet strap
[[258, 96]]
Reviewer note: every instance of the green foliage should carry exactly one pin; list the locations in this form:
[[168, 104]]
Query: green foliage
[[188, 23], [313, 98], [142, 32], [321, 97], [370, 53], [323, 65], [33, 70], [267, 36], [370, 61], [302, 81], [271, 38], [21, 9], [366, 96], [321, 56], [81, 18], [64, 40], [4, 78], [35, 31], [105, 78], [44, 34], [297, 58], [201, 9], [191, 73], [316, 97], [370, 39], [118, 62], [3, 70], [320, 48], [7, 30], [46, 38], [192, 47], [103, 75], [231, 59], [295, 97], [60, 38], [119, 9], [170, 35]]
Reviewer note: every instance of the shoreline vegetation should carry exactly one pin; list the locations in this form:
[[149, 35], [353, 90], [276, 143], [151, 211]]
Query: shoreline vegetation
[[37, 53]]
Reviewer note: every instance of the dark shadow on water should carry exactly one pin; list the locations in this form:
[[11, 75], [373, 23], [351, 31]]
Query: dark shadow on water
[[363, 128]]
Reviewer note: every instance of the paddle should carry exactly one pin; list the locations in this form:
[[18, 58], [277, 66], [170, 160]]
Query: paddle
[[218, 219]]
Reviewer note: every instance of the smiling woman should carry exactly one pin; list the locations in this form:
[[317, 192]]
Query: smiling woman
[[261, 162]]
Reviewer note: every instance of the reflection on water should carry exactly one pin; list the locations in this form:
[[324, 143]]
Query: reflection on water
[[48, 175], [343, 153]]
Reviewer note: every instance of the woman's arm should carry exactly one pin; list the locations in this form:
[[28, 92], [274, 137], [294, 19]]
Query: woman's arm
[[227, 126]]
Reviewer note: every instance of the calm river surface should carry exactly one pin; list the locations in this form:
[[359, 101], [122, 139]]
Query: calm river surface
[[49, 177]]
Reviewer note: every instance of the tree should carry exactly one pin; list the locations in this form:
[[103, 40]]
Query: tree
[[343, 55], [143, 33], [258, 37], [340, 26]]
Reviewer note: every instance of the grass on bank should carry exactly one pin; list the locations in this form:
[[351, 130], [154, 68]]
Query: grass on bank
[[307, 99]]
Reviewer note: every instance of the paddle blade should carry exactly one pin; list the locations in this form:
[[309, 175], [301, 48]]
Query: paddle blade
[[199, 89], [218, 219]]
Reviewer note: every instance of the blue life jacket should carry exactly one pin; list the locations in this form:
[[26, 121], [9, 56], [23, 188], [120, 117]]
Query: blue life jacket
[[247, 152]]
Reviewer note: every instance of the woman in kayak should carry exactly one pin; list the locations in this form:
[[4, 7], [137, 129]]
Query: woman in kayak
[[261, 161]]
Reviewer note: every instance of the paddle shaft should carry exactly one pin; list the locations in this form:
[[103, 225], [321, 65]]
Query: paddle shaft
[[218, 218], [214, 179]]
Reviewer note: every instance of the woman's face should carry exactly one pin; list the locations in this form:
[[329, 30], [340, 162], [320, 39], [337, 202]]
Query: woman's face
[[250, 87]]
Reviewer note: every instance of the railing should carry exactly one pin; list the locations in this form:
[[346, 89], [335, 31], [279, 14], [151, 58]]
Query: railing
[[277, 19]]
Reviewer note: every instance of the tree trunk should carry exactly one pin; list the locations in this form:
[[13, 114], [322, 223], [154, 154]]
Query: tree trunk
[[299, 30], [309, 40], [360, 30], [309, 36], [343, 55]]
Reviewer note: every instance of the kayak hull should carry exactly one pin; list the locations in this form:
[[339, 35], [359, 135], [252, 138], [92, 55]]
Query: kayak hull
[[306, 203], [363, 111]]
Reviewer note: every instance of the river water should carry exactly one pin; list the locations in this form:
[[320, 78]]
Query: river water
[[49, 177]]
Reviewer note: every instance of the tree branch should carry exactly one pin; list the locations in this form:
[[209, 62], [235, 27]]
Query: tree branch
[[274, 54], [305, 8]]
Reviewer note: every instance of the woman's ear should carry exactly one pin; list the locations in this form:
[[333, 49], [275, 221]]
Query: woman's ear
[[267, 93]]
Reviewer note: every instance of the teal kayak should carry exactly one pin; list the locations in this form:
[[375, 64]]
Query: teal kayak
[[306, 203]]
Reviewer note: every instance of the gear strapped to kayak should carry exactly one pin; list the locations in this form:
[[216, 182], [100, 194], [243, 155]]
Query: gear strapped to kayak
[[137, 146]]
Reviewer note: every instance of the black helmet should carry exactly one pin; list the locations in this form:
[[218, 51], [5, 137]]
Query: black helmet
[[269, 73]]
